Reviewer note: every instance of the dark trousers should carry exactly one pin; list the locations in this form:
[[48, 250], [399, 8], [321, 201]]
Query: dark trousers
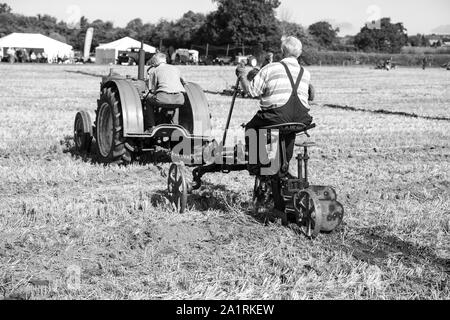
[[285, 114], [260, 120], [160, 100], [257, 122]]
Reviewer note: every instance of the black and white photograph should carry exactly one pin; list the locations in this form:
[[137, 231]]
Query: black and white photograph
[[254, 151]]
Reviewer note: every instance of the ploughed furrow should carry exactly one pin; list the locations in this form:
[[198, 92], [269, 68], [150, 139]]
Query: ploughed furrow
[[382, 111]]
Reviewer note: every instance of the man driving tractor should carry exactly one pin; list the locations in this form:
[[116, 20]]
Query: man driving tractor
[[166, 89]]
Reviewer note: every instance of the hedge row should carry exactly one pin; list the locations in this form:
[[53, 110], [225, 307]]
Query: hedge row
[[315, 57]]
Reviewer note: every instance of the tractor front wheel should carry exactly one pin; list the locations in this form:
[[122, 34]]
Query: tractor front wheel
[[109, 129], [83, 132]]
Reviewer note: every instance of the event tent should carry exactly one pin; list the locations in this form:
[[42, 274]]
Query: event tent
[[108, 53], [37, 42]]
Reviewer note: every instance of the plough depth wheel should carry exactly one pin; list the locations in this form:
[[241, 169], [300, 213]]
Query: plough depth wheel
[[309, 212], [177, 187]]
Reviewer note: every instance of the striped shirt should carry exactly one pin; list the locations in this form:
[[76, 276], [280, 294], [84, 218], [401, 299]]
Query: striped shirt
[[272, 84]]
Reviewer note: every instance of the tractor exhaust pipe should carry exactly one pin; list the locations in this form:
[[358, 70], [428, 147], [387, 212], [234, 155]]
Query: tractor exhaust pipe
[[141, 68]]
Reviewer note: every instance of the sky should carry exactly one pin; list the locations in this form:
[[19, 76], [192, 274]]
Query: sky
[[418, 16]]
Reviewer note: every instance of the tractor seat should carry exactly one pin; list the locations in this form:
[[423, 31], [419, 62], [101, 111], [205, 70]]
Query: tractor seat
[[292, 127]]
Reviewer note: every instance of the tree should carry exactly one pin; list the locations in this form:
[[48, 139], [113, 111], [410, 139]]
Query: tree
[[424, 41], [5, 8], [249, 22], [414, 41], [297, 30], [324, 33], [162, 33], [104, 32], [134, 28], [185, 30], [418, 40], [389, 38], [146, 32]]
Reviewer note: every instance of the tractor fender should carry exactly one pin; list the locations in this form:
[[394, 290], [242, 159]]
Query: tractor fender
[[132, 113], [195, 115]]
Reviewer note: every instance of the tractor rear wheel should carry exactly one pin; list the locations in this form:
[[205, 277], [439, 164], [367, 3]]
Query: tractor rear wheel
[[109, 129], [83, 132]]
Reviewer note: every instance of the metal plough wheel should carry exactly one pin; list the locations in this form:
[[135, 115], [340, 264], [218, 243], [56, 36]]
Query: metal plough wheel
[[83, 131], [310, 213], [177, 187]]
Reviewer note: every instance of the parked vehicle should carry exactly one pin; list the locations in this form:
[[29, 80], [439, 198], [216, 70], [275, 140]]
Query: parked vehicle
[[223, 60], [185, 56], [130, 57]]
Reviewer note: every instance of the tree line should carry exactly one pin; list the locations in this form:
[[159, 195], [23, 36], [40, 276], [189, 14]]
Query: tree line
[[252, 23]]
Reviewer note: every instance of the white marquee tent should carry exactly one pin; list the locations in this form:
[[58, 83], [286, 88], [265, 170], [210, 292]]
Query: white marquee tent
[[30, 41], [108, 53]]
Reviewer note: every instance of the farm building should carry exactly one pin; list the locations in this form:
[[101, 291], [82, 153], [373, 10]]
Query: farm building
[[37, 43], [108, 53]]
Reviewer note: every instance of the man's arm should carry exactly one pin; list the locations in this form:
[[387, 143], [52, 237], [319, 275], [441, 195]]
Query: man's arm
[[251, 81], [152, 80]]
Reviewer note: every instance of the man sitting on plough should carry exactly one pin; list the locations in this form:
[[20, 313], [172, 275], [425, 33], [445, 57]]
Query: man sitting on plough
[[284, 91]]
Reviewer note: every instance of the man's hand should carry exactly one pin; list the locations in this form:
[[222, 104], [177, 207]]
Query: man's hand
[[252, 74], [242, 74], [240, 70]]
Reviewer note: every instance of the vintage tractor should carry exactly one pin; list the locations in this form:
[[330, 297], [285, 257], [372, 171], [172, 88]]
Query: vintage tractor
[[182, 138], [119, 123]]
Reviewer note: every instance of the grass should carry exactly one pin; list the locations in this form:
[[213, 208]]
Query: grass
[[113, 223]]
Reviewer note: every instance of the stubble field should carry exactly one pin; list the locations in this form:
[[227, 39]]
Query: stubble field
[[62, 216]]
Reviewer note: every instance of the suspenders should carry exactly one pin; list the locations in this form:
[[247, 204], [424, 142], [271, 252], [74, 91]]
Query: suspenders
[[299, 79]]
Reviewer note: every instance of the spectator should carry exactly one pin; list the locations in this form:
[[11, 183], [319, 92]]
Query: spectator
[[33, 57], [424, 63], [11, 53]]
